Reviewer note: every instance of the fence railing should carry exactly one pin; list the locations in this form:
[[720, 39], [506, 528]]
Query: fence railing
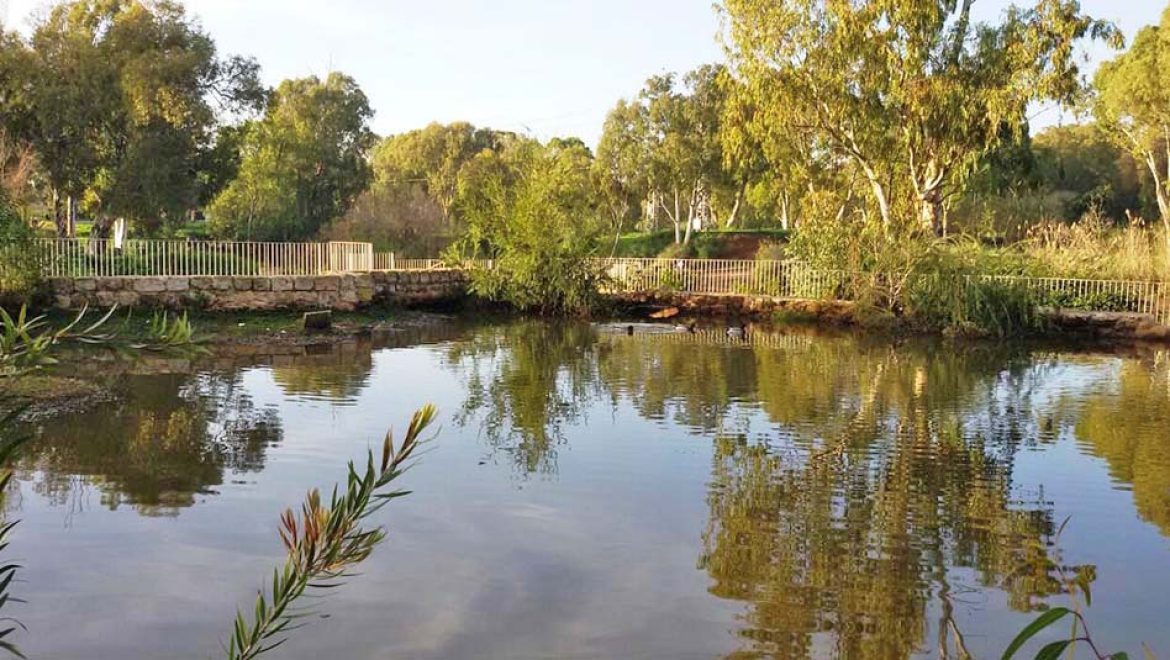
[[790, 279], [390, 261], [782, 279], [81, 257]]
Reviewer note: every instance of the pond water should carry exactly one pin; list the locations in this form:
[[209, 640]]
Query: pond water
[[595, 494]]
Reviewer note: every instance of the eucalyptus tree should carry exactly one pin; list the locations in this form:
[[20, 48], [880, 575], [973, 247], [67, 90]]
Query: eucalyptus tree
[[1133, 105], [124, 98], [302, 165], [908, 94], [665, 146], [619, 167], [432, 158], [531, 209]]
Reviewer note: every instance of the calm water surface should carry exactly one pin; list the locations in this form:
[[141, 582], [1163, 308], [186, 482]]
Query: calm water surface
[[593, 494]]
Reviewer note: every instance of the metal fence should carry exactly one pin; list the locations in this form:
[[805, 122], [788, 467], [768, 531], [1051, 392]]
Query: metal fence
[[390, 261], [791, 279], [81, 257], [782, 279]]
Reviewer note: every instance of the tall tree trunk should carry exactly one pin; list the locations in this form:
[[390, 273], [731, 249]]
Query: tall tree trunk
[[1161, 181], [676, 218], [785, 220], [879, 192], [731, 219], [71, 216], [58, 215], [930, 213]]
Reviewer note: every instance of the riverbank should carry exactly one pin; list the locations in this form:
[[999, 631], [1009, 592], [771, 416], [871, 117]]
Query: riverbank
[[733, 309]]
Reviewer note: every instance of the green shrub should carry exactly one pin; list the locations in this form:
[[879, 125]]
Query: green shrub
[[20, 273], [928, 283], [532, 218], [967, 303]]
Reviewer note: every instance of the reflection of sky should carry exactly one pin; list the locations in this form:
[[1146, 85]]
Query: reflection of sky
[[598, 560]]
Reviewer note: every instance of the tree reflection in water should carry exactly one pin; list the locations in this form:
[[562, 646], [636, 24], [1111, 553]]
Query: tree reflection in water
[[171, 437], [882, 490], [1126, 422], [525, 382]]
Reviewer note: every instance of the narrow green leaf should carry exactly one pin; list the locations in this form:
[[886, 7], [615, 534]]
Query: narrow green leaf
[[1054, 650], [1043, 621]]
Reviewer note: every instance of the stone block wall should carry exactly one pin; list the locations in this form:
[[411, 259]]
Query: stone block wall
[[225, 293]]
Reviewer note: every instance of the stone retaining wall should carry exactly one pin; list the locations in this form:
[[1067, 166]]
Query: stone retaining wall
[[223, 293]]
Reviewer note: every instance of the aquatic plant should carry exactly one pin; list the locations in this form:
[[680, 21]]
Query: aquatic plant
[[325, 542], [1077, 582], [9, 443], [26, 342], [165, 331]]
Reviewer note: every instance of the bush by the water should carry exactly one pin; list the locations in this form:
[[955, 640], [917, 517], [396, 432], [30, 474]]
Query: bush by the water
[[19, 271], [532, 218], [930, 283]]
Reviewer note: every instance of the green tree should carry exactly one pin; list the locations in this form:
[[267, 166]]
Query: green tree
[[619, 168], [124, 98], [532, 212], [665, 149], [908, 94], [1133, 105], [1087, 169], [433, 158], [302, 165]]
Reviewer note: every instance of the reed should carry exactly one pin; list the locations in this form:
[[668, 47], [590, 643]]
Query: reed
[[166, 331], [9, 443], [26, 342], [324, 542]]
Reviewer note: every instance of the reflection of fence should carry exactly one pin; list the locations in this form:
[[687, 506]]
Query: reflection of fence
[[663, 334], [79, 257]]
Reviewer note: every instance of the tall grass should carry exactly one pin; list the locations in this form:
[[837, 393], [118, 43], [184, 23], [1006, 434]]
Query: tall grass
[[1095, 248]]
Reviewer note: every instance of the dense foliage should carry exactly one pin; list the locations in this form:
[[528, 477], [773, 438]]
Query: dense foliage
[[530, 214], [120, 99], [301, 166], [19, 274]]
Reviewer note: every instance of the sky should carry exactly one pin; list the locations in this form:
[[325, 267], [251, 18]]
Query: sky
[[544, 67]]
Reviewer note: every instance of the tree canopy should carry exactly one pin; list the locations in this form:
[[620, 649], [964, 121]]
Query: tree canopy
[[1133, 105], [302, 165], [906, 95], [121, 99]]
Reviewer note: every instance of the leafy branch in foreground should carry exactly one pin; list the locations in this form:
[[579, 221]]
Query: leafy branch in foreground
[[1076, 580], [325, 542]]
